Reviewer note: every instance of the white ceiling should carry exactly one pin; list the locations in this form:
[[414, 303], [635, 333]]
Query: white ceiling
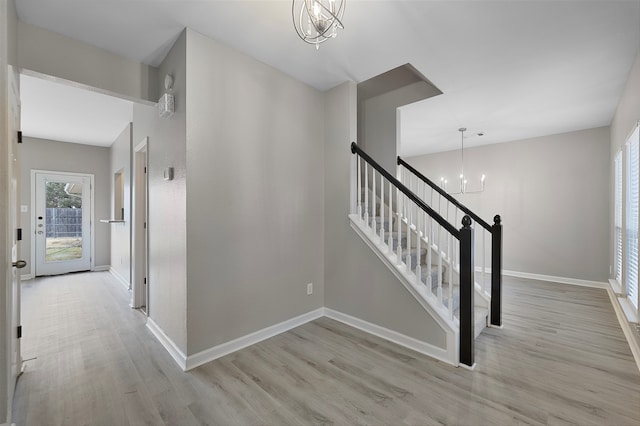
[[512, 69], [65, 113]]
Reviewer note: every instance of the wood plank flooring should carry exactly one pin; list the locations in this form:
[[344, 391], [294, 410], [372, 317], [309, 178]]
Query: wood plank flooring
[[560, 359]]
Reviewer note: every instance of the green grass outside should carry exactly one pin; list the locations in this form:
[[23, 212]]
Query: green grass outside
[[61, 249]]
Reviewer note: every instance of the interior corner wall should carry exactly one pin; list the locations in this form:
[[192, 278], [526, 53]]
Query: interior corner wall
[[628, 111], [43, 154], [167, 280], [357, 283], [378, 121], [624, 121], [254, 195], [120, 162], [552, 194], [59, 56]]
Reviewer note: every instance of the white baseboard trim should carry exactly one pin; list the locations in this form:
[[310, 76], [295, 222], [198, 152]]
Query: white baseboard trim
[[120, 278], [178, 356], [560, 280], [226, 348], [101, 268], [27, 277], [626, 327], [390, 335]]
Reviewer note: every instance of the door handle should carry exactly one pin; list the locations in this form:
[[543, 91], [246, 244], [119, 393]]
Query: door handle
[[19, 264]]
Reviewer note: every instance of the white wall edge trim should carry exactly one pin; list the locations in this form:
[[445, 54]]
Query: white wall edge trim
[[615, 286], [628, 309], [560, 280], [231, 346], [119, 277], [101, 268], [424, 348], [626, 327], [27, 277], [549, 278], [178, 356]]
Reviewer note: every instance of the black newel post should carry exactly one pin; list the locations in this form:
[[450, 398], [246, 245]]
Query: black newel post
[[496, 272], [467, 279]]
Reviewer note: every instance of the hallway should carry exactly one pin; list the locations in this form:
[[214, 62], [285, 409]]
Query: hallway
[[561, 358]]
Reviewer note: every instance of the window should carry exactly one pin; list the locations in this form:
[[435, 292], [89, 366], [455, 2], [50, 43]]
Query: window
[[618, 218], [632, 217]]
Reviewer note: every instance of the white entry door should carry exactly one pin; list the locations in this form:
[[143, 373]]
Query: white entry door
[[62, 222]]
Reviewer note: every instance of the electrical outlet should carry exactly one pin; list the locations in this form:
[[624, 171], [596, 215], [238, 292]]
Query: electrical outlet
[[309, 289]]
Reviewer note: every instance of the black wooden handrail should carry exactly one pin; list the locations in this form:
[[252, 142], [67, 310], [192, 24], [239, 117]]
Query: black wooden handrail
[[355, 149], [442, 192]]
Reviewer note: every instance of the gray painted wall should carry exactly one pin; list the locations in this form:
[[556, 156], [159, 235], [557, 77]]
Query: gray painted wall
[[377, 121], [167, 201], [628, 111], [254, 195], [552, 193], [120, 161], [356, 282], [43, 154], [53, 54]]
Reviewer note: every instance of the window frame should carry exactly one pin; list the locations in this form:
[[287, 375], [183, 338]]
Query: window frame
[[626, 199]]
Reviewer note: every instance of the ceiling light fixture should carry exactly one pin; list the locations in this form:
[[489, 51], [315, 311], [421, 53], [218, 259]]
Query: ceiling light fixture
[[316, 21], [463, 177]]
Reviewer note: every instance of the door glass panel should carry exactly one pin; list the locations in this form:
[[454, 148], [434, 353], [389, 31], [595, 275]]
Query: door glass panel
[[63, 223]]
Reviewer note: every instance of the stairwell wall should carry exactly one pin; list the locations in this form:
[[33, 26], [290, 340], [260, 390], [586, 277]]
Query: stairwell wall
[[357, 283], [378, 122]]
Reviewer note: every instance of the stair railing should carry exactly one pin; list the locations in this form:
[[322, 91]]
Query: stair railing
[[385, 203], [452, 208]]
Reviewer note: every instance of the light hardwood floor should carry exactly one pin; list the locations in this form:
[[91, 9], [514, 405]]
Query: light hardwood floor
[[560, 359]]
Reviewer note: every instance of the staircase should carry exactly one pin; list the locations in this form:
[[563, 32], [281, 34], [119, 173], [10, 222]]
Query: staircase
[[431, 257]]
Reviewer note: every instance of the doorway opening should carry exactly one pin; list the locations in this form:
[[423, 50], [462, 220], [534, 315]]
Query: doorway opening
[[140, 235]]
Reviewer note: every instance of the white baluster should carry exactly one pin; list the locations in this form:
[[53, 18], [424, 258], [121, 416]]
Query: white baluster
[[447, 239], [359, 187], [408, 261], [399, 206], [419, 260], [439, 264], [425, 218], [366, 195], [381, 208], [374, 213], [412, 205], [429, 280], [391, 217], [405, 202]]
